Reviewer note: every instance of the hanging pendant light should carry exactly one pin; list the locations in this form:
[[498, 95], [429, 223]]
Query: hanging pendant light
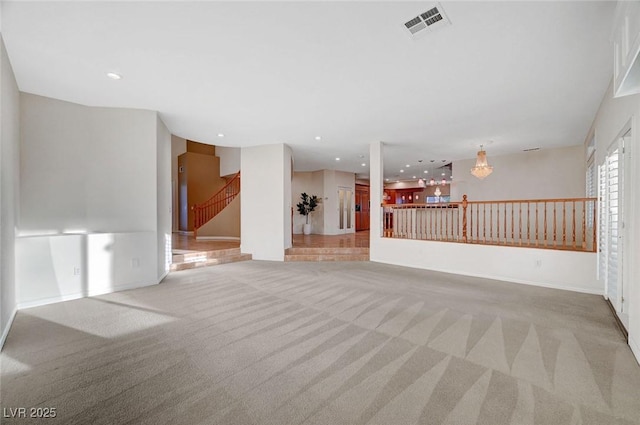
[[482, 168]]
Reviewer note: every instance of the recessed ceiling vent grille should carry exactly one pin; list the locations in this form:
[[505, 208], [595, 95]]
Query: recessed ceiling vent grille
[[430, 20]]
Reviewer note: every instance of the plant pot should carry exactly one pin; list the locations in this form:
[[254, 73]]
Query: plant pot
[[306, 229]]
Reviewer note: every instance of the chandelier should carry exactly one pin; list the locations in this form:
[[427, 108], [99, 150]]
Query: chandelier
[[482, 168]]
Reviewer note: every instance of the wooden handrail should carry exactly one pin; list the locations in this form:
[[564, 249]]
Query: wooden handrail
[[538, 223], [524, 201], [513, 201], [213, 206]]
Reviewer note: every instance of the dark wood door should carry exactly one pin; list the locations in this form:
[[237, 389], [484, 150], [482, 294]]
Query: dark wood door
[[363, 208]]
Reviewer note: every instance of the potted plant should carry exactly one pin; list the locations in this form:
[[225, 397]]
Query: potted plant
[[306, 207]]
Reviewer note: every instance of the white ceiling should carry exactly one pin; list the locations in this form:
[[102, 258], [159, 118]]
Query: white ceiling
[[522, 74]]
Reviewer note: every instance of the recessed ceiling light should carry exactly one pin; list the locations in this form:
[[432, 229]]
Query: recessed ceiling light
[[407, 165], [337, 159], [363, 164], [318, 138], [220, 135], [114, 76], [387, 179], [414, 177], [443, 174], [426, 171], [402, 171]]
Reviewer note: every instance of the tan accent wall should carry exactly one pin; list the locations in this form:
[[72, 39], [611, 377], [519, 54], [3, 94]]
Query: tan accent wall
[[200, 148], [225, 224], [178, 147], [198, 181]]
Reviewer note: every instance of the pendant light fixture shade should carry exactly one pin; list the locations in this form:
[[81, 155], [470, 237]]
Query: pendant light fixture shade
[[482, 168]]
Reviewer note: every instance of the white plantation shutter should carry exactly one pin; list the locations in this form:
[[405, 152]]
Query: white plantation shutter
[[591, 191], [602, 223], [610, 190], [613, 201]]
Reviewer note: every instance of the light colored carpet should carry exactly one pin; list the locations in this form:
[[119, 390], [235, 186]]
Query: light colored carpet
[[323, 343]]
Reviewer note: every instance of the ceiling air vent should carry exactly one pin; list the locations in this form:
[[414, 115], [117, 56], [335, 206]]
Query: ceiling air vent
[[530, 149], [430, 20]]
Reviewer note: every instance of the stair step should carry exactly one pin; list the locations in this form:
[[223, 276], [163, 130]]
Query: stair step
[[326, 257], [206, 262], [201, 255], [328, 250]]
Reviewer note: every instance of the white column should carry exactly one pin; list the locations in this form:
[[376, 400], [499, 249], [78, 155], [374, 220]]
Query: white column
[[376, 173], [265, 208]]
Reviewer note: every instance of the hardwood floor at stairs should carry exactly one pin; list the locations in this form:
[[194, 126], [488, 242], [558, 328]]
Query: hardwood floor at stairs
[[350, 240], [190, 253], [348, 247]]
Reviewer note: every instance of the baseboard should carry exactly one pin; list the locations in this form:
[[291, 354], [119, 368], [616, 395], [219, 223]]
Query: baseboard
[[217, 238], [617, 318], [75, 296], [184, 232], [5, 331], [635, 349], [503, 279]]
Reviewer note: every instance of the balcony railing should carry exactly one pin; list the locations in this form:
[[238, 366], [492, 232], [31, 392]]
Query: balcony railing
[[568, 224]]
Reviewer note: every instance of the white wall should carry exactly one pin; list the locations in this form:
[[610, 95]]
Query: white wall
[[317, 217], [163, 198], [93, 168], [265, 191], [287, 168], [547, 173], [95, 200], [332, 181], [229, 160], [612, 117], [403, 185], [63, 267], [311, 183], [324, 184], [9, 189], [376, 189], [575, 271]]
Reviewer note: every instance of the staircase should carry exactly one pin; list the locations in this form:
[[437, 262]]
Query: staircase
[[194, 259], [326, 254], [207, 210]]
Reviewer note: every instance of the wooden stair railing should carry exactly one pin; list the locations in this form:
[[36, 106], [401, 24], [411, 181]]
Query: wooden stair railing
[[205, 211]]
